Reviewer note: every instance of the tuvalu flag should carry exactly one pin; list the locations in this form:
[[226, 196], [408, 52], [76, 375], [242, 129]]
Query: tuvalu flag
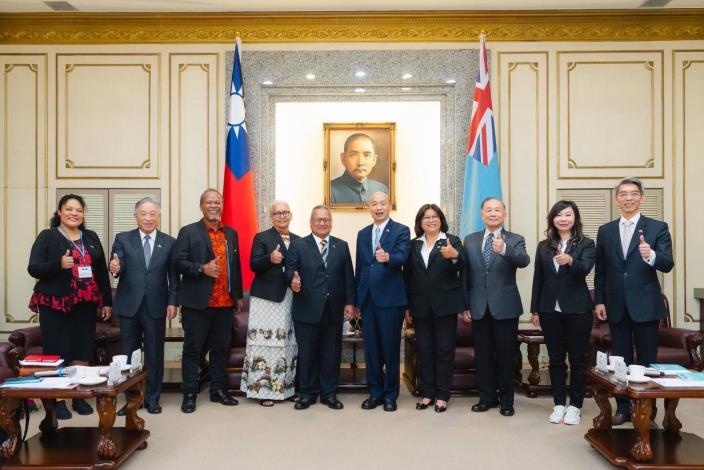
[[240, 210], [481, 178]]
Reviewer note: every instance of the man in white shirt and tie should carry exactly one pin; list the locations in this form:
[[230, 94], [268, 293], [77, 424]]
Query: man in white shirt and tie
[[630, 252]]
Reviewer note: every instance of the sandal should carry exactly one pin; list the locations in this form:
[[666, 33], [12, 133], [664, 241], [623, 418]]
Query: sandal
[[266, 403]]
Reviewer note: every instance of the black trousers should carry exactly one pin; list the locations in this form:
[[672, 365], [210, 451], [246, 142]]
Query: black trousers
[[567, 334], [319, 352], [628, 334], [147, 331], [436, 338], [211, 327], [70, 335], [495, 343]]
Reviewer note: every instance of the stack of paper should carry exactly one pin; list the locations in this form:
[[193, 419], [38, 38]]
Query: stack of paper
[[43, 383], [685, 379]]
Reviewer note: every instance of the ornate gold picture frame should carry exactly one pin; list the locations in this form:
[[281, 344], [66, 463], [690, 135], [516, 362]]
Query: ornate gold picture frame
[[360, 159]]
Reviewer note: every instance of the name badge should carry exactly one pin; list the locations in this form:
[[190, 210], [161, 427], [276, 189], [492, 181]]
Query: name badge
[[85, 272]]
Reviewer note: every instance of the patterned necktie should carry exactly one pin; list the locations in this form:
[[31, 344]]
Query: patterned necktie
[[324, 251], [377, 235], [626, 236], [147, 250], [487, 251]]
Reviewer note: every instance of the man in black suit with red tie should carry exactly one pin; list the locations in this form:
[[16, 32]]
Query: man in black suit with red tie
[[630, 252], [319, 269]]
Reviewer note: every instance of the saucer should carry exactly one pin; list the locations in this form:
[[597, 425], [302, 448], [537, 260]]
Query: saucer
[[638, 380], [92, 380]]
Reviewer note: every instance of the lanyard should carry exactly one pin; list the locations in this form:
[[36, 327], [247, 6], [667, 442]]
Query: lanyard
[[81, 249]]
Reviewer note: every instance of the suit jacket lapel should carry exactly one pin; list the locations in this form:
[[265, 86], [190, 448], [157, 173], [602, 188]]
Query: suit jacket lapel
[[384, 234], [139, 248], [313, 245], [206, 238], [278, 239], [637, 232]]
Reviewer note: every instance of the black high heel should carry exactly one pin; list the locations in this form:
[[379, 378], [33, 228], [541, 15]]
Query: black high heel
[[423, 406]]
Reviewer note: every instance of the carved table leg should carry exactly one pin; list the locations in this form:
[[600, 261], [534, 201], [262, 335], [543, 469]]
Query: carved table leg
[[603, 420], [106, 416], [8, 421], [533, 352], [135, 398], [670, 422], [640, 416], [49, 424]]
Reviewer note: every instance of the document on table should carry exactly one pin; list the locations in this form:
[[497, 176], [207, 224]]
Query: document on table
[[47, 382], [691, 379]]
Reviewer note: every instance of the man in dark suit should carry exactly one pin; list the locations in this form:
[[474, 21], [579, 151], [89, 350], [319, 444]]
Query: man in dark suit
[[319, 270], [492, 257], [382, 250], [207, 257], [629, 252], [146, 293]]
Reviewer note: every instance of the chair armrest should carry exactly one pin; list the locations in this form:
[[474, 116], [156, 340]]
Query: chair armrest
[[685, 339], [26, 337]]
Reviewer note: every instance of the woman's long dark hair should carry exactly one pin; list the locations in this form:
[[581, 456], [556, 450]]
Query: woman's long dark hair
[[56, 219], [551, 233], [419, 218]]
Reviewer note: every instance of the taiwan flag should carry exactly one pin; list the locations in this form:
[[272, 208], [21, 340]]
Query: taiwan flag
[[240, 210]]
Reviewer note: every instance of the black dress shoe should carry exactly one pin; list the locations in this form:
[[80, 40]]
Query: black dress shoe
[[61, 410], [619, 419], [507, 411], [482, 407], [304, 403], [423, 406], [189, 403], [223, 397], [440, 409], [153, 408], [371, 403], [333, 403], [122, 411], [80, 406], [390, 405]]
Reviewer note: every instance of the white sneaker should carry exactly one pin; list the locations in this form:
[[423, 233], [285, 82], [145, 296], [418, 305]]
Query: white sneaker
[[573, 415], [558, 413]]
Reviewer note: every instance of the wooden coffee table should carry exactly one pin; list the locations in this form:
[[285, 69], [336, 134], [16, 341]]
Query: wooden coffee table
[[641, 447], [75, 447]]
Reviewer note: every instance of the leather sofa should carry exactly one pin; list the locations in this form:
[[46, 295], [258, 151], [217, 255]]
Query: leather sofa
[[235, 359]]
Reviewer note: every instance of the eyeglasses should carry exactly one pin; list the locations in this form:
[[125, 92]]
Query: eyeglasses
[[632, 194], [281, 214], [430, 218], [321, 220]]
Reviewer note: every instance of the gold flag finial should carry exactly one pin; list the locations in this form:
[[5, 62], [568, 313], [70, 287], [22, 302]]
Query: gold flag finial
[[237, 33]]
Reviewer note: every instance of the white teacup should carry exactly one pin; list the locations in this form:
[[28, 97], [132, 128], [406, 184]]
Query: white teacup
[[120, 359], [636, 371], [613, 360]]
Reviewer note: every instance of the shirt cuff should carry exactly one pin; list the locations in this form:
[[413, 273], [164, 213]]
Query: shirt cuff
[[651, 260], [503, 252]]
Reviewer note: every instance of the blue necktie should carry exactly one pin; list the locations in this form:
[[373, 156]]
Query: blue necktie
[[487, 251], [377, 233]]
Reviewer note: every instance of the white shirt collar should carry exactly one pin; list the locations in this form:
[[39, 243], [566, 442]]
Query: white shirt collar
[[497, 232], [318, 239], [441, 236], [381, 226], [633, 219], [152, 235]]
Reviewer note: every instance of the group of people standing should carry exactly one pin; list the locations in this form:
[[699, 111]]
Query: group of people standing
[[305, 287]]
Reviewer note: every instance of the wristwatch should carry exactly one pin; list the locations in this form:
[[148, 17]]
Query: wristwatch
[[200, 268]]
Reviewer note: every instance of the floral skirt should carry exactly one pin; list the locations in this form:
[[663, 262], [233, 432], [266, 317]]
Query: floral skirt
[[269, 371]]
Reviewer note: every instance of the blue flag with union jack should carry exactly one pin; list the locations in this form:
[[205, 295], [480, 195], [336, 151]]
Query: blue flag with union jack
[[481, 177]]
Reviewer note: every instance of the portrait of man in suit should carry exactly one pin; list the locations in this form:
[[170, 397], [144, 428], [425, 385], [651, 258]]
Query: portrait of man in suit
[[629, 252], [358, 163], [493, 256], [146, 292]]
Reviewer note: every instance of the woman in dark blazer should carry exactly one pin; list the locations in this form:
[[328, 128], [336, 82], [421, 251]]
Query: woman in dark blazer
[[68, 262], [562, 306], [435, 298]]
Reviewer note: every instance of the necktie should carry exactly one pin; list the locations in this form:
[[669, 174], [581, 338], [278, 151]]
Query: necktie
[[626, 236], [487, 251], [324, 251], [377, 236], [147, 250]]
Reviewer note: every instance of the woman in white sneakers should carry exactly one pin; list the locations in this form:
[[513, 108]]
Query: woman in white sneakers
[[562, 307]]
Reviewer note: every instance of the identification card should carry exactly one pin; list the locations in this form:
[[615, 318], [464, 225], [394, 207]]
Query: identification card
[[601, 361], [85, 272], [621, 372]]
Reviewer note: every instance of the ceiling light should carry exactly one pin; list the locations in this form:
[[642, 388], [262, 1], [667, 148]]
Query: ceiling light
[[406, 88], [360, 74], [267, 82], [450, 81], [310, 76], [406, 76], [359, 90]]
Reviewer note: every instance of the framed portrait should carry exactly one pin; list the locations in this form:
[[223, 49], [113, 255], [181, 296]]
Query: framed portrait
[[360, 159]]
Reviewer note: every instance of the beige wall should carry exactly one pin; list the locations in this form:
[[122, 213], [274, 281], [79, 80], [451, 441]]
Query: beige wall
[[156, 112]]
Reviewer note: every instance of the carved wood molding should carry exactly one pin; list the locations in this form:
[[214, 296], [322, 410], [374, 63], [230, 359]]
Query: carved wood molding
[[428, 26]]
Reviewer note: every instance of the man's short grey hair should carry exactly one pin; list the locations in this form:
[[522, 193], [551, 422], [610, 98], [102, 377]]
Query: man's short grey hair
[[276, 203], [630, 180], [492, 198], [147, 200], [209, 190], [321, 206]]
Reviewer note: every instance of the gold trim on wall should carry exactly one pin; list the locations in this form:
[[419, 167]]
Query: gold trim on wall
[[418, 26]]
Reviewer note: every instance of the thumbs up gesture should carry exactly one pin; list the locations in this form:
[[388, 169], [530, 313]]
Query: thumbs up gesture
[[296, 282], [212, 268], [381, 255], [276, 256], [562, 258], [448, 251], [644, 247], [114, 265], [67, 260], [498, 245]]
